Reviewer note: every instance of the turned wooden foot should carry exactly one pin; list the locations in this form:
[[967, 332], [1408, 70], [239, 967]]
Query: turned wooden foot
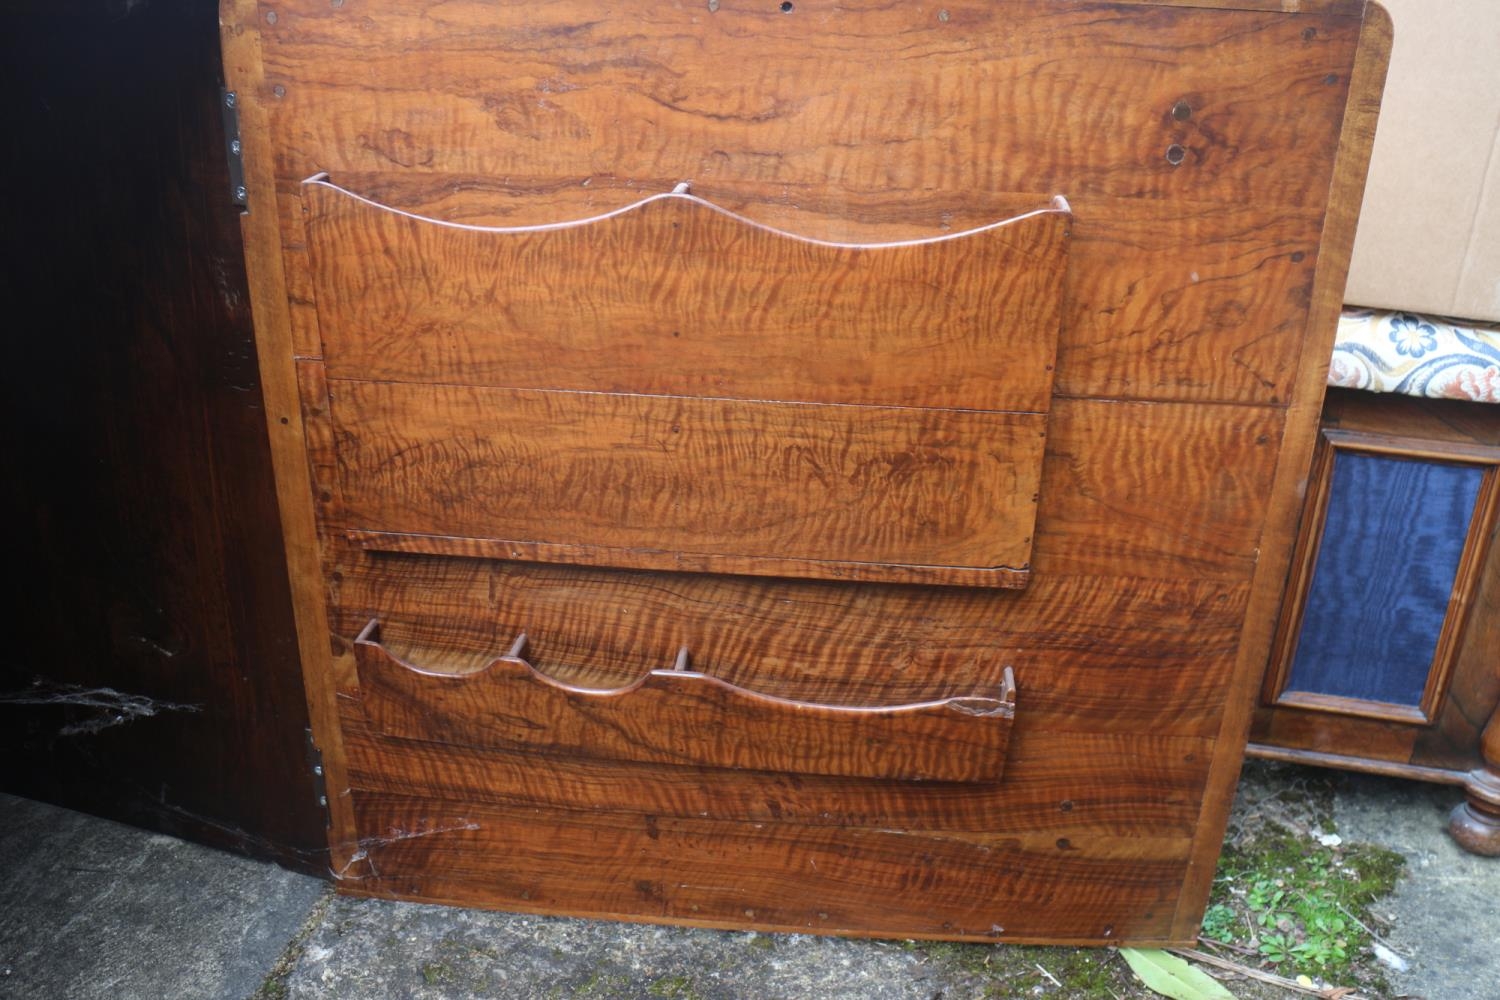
[[1475, 822]]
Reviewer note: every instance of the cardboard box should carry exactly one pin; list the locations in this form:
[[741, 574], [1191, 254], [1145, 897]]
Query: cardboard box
[[1429, 234]]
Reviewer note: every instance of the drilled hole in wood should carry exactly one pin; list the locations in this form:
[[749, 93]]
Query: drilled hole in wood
[[786, 6], [1182, 111], [1176, 154]]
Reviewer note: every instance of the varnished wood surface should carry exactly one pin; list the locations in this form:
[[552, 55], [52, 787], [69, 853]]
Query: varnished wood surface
[[1362, 108], [1081, 666], [1142, 464], [674, 298], [1153, 293], [769, 875], [244, 72], [1207, 285], [793, 118], [680, 716], [1094, 786], [1184, 361], [775, 488]]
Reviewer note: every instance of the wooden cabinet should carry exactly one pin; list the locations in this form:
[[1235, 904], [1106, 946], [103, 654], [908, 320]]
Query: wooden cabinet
[[1386, 655], [822, 467]]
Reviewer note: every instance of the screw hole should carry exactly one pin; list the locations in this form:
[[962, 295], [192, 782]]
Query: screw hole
[[786, 6], [1182, 111], [1176, 154]]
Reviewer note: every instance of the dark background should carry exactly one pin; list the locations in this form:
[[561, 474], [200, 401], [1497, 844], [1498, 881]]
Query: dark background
[[143, 542]]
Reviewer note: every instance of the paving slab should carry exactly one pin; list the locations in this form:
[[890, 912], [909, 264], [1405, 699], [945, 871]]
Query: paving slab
[[1446, 913], [95, 909]]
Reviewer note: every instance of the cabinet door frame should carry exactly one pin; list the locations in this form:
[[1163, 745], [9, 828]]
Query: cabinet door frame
[[1332, 442]]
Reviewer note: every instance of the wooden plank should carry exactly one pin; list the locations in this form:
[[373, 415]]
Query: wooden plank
[[1304, 729], [1069, 784], [765, 488], [1145, 463], [1284, 506], [1186, 300], [774, 876], [1189, 301], [674, 297], [244, 73], [682, 717], [1069, 640], [865, 96], [1154, 489]]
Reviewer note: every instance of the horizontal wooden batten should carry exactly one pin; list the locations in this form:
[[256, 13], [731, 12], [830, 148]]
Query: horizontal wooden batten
[[1007, 96], [683, 562], [767, 875], [1073, 783], [776, 489], [674, 296], [823, 641], [683, 717]]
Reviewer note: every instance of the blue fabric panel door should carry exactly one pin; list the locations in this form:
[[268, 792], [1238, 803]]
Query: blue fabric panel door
[[1390, 552]]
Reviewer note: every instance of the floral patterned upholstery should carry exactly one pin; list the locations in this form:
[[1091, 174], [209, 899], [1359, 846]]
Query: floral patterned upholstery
[[1417, 356]]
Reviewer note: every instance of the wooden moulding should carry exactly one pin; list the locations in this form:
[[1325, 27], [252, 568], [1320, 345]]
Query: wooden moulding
[[674, 386], [679, 716], [1477, 534]]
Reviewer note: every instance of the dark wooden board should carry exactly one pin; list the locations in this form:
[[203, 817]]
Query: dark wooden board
[[152, 674]]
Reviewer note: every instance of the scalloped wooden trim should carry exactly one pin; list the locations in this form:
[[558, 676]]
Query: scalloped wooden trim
[[680, 716]]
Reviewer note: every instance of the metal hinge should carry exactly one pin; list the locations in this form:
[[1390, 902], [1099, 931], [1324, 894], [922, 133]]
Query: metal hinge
[[320, 784], [229, 105]]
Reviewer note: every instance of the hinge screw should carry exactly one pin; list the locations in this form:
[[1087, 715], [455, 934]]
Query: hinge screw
[[318, 769], [234, 146], [229, 99], [241, 193]]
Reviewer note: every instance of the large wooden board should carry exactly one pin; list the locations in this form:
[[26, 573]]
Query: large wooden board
[[1204, 151]]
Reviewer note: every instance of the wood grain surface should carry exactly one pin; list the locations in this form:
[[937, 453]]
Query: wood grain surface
[[776, 488], [1069, 640], [1361, 110], [675, 298], [858, 96], [680, 716], [769, 875], [950, 119], [1197, 145], [1089, 786]]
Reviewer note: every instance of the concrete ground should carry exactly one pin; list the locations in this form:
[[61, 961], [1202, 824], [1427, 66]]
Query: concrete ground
[[95, 909]]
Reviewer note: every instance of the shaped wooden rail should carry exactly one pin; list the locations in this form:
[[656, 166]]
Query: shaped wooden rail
[[672, 386], [679, 716]]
